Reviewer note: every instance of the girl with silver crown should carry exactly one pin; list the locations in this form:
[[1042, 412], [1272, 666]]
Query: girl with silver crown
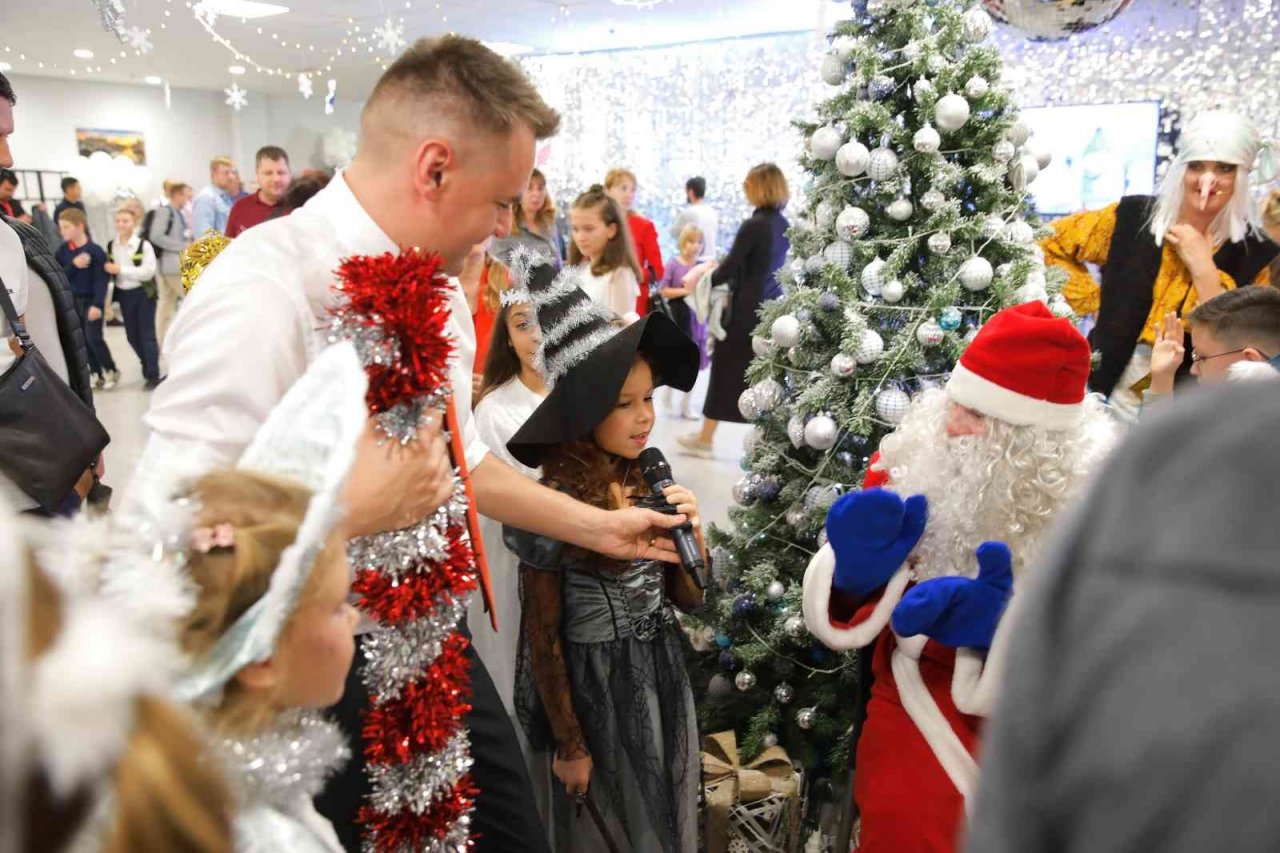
[[250, 568], [1198, 237]]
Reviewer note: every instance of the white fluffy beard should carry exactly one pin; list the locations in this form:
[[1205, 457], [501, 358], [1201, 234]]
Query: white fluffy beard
[[1007, 485]]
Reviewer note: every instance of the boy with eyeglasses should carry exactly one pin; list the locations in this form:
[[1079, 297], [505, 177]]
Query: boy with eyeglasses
[[1234, 336]]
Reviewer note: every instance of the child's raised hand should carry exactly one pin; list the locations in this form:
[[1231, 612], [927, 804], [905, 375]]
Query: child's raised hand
[[1167, 353], [684, 502]]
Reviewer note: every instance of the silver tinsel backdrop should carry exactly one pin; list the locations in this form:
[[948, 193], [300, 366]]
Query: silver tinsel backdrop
[[716, 109]]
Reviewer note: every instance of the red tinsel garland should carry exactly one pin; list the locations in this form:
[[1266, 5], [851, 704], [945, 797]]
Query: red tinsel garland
[[396, 308]]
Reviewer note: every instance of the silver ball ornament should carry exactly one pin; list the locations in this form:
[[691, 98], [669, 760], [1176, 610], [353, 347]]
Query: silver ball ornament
[[951, 112], [939, 243], [912, 51], [775, 591], [761, 346], [1019, 232], [820, 432], [815, 264], [794, 627], [976, 86], [1002, 152], [922, 89], [824, 143], [852, 223], [932, 200], [892, 405], [1019, 133], [748, 405], [1023, 171], [806, 718], [900, 210], [825, 213], [834, 69], [929, 333], [927, 140], [883, 164], [992, 226], [785, 331], [769, 741], [795, 431], [744, 680], [744, 491], [873, 277], [843, 365], [977, 25], [852, 159], [870, 348], [839, 253], [1040, 151], [893, 291], [769, 394], [976, 274], [784, 693], [796, 516]]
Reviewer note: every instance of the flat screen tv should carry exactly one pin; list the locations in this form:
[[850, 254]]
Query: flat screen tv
[[1100, 153]]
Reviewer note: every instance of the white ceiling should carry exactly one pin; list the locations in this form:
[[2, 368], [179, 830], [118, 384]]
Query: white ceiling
[[185, 54]]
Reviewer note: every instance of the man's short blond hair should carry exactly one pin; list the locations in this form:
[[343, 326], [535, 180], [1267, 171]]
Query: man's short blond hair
[[459, 79], [220, 160]]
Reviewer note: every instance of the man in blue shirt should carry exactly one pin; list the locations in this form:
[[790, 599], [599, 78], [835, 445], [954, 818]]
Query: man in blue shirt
[[213, 203]]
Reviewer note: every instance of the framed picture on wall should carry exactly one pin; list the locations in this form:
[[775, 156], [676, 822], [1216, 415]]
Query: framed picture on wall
[[130, 143]]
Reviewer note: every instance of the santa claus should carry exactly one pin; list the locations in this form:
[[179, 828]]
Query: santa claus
[[985, 465]]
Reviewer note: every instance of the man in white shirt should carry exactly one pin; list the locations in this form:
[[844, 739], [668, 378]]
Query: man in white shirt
[[701, 214], [13, 264], [446, 149]]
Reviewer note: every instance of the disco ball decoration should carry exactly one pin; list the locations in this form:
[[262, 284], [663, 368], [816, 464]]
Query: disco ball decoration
[[785, 331], [900, 210], [744, 491], [839, 253], [820, 432], [976, 274], [929, 333], [748, 405], [852, 223], [927, 140], [870, 348], [784, 693], [951, 112], [892, 405], [939, 243], [820, 498], [1054, 20], [824, 143], [932, 200], [843, 365], [806, 717], [1003, 151], [883, 164], [753, 440], [851, 161], [873, 277], [745, 680], [834, 69], [893, 291]]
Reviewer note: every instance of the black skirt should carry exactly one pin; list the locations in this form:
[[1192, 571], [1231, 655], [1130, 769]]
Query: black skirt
[[729, 363]]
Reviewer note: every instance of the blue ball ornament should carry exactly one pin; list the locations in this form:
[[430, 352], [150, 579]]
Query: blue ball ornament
[[950, 319], [724, 641], [881, 87], [729, 661], [804, 315], [829, 302], [744, 605], [817, 653], [768, 489]]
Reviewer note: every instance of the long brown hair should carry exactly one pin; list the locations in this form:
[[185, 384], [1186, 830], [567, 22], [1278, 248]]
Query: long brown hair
[[546, 217], [620, 251], [502, 364]]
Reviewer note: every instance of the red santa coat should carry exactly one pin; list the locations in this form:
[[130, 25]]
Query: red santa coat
[[908, 801]]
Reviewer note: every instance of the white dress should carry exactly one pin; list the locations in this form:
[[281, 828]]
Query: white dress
[[615, 291]]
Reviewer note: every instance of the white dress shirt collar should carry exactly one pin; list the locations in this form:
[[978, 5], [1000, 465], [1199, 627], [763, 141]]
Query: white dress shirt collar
[[357, 233]]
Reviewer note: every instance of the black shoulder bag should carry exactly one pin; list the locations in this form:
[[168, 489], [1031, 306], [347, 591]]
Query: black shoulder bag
[[48, 436]]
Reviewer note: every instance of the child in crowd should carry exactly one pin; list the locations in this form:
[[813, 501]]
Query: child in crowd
[[132, 262], [678, 300], [1234, 336], [482, 279], [85, 262], [603, 253], [601, 676]]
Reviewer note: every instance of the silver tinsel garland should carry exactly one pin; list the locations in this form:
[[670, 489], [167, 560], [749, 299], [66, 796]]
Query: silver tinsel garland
[[292, 759], [418, 644], [417, 785]]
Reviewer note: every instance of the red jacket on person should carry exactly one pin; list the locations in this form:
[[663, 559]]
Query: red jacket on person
[[645, 239]]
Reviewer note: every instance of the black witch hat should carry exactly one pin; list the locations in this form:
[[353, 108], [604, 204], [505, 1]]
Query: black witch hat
[[585, 360]]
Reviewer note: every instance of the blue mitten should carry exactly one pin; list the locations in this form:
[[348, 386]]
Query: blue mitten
[[871, 533], [960, 612]]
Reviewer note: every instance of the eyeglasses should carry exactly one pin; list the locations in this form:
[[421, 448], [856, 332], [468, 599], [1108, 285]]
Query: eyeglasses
[[1197, 358]]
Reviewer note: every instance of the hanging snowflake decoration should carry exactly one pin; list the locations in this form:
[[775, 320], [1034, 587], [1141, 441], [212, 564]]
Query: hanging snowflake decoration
[[112, 14], [140, 39], [206, 12], [237, 98], [305, 88], [331, 97], [390, 36]]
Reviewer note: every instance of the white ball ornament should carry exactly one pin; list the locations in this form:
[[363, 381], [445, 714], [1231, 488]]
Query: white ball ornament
[[927, 140], [775, 591], [912, 51], [870, 348], [1022, 171], [834, 69], [937, 63], [815, 264], [748, 405], [825, 213], [977, 25], [951, 112], [839, 253], [852, 159], [900, 210], [1019, 232], [940, 243], [824, 143], [761, 346], [992, 226], [820, 432], [976, 274], [1002, 152], [1029, 292], [843, 365], [873, 277], [1061, 308], [852, 223], [976, 86], [922, 89], [932, 200], [893, 291], [1038, 149], [882, 165], [1019, 133], [929, 333], [892, 405], [785, 331]]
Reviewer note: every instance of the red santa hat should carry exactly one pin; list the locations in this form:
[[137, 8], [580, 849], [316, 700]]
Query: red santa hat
[[1025, 367]]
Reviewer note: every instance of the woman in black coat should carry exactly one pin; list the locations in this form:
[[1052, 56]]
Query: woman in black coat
[[751, 272]]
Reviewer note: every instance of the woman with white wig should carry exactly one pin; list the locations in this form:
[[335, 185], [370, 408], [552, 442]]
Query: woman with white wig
[[1197, 238]]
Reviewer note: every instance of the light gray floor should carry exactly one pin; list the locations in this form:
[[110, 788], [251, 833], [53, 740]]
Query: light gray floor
[[121, 411]]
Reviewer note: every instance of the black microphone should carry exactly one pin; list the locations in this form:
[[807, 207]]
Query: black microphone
[[657, 473]]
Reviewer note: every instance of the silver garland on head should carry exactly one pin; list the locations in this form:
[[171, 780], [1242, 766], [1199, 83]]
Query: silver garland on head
[[293, 759], [417, 785]]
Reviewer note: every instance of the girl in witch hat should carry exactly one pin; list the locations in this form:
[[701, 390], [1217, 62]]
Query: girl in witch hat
[[601, 676]]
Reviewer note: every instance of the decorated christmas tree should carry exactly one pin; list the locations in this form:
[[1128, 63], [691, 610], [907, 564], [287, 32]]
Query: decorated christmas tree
[[916, 227]]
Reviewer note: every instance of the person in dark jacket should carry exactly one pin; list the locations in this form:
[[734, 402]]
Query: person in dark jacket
[[71, 193], [750, 270], [1141, 708], [84, 263]]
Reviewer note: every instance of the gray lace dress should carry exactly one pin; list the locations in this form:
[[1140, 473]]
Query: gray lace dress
[[601, 672]]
